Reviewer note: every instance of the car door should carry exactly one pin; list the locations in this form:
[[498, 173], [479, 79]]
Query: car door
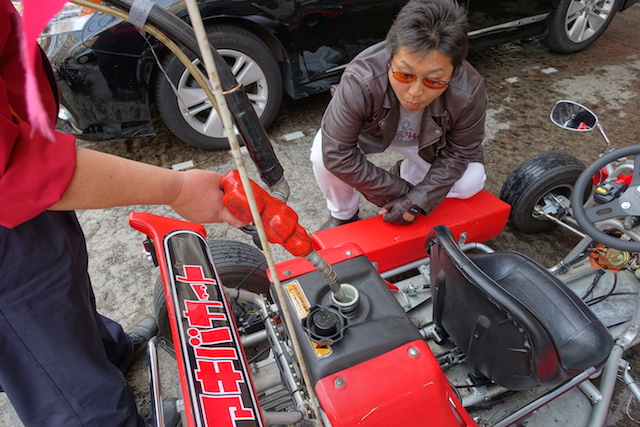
[[488, 17]]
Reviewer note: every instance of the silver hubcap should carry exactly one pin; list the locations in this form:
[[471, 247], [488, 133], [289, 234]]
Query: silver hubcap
[[585, 18], [197, 109]]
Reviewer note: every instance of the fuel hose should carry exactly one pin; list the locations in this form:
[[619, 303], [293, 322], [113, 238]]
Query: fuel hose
[[246, 120], [225, 88]]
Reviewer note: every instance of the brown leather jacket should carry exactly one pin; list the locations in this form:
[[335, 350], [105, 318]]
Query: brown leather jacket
[[363, 115]]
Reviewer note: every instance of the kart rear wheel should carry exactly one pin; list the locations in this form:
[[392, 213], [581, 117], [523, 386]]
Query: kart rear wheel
[[546, 181], [238, 265]]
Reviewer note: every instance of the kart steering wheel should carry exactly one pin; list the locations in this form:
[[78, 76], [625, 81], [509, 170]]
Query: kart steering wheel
[[626, 204]]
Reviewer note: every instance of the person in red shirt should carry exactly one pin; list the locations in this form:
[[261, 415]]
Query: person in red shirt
[[62, 363]]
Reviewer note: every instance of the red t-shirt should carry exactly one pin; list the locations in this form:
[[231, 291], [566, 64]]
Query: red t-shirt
[[34, 171]]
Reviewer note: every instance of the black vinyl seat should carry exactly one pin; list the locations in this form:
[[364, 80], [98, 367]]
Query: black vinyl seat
[[517, 324]]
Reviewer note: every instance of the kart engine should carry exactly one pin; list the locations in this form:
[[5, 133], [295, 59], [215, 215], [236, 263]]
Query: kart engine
[[368, 363]]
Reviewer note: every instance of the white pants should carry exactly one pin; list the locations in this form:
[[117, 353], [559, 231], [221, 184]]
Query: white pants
[[343, 201]]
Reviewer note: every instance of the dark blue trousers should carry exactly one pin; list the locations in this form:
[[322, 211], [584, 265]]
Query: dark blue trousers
[[61, 363]]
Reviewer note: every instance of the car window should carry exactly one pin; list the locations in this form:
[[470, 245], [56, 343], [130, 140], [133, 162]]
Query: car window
[[330, 33]]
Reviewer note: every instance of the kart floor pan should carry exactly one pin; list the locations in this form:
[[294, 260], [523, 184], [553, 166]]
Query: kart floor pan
[[569, 410]]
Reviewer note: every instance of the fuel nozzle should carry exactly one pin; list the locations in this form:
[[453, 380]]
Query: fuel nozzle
[[280, 225]]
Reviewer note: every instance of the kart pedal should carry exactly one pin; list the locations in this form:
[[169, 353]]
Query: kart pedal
[[439, 336]]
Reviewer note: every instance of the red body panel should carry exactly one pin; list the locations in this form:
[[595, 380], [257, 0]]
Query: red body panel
[[156, 227], [214, 375], [482, 217], [404, 387], [298, 266]]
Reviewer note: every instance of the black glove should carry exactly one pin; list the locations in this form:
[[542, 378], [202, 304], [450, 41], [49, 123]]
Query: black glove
[[401, 211]]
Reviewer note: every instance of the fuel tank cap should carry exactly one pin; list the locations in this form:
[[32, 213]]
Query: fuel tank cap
[[325, 325]]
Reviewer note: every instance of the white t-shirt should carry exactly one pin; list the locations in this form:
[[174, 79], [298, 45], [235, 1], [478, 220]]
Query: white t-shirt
[[408, 132]]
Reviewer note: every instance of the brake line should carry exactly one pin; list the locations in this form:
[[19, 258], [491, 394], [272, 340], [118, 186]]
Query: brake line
[[539, 210]]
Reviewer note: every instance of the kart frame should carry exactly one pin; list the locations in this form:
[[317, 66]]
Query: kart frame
[[393, 251]]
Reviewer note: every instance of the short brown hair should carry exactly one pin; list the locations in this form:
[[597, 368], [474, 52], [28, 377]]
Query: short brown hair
[[428, 25]]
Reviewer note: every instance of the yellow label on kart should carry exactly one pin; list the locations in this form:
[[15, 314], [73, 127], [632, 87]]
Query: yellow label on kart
[[298, 299], [321, 350]]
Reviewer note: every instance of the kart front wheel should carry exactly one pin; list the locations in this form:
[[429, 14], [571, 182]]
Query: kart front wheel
[[541, 185], [239, 265]]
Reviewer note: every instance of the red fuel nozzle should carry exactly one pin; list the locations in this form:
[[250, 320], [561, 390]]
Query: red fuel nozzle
[[280, 224], [280, 221]]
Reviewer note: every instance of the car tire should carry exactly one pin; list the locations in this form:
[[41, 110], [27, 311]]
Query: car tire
[[552, 172], [253, 65], [238, 265], [575, 24]]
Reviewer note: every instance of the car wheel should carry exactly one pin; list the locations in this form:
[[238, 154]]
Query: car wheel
[[575, 24], [238, 265], [546, 182], [195, 121]]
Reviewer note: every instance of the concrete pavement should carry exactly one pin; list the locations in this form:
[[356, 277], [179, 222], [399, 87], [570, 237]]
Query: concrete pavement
[[523, 80]]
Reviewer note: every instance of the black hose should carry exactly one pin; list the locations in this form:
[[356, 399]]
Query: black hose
[[246, 120], [595, 281]]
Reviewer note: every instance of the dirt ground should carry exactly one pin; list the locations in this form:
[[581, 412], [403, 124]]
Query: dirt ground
[[524, 81]]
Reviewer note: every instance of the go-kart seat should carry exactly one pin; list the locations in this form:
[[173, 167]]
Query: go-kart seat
[[517, 324]]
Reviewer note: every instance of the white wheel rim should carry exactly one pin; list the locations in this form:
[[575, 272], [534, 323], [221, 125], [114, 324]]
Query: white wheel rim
[[196, 108], [585, 17]]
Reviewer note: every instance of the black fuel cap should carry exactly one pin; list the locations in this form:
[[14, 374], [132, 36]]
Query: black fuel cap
[[324, 325]]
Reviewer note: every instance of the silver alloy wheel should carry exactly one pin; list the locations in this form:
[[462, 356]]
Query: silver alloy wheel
[[584, 18], [196, 108]]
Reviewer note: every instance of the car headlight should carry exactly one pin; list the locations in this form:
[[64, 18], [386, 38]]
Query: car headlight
[[71, 18]]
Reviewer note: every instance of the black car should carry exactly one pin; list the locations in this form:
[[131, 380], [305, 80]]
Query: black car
[[109, 74]]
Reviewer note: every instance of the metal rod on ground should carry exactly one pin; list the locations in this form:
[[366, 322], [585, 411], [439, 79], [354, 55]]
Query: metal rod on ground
[[207, 58]]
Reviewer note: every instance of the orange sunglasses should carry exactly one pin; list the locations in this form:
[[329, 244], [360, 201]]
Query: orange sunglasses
[[410, 78]]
